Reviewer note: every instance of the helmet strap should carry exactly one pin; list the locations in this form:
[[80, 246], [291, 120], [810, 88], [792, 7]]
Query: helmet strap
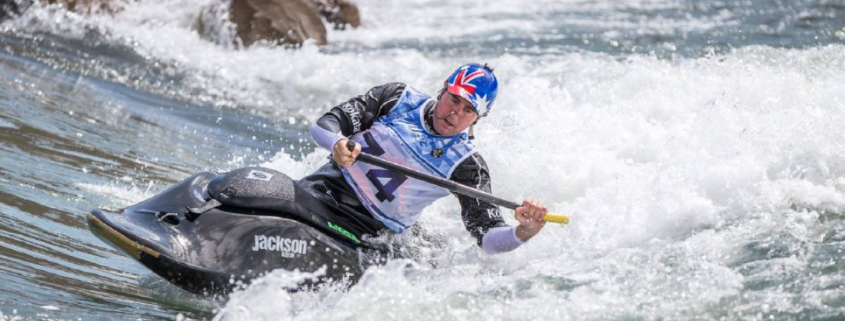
[[471, 135]]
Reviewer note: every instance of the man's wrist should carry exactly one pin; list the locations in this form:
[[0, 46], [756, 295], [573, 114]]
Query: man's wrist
[[524, 233], [338, 139], [516, 235]]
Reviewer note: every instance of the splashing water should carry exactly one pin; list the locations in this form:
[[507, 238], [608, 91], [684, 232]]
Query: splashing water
[[698, 147]]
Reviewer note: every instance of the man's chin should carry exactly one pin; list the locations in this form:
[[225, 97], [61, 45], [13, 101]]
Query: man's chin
[[444, 130]]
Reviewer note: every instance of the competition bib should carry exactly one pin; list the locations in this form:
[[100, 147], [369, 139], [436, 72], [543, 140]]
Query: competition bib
[[400, 137]]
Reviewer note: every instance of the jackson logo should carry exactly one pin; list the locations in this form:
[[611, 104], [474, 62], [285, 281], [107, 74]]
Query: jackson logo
[[287, 247]]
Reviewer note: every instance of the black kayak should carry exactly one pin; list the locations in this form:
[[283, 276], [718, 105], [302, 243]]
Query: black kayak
[[211, 232]]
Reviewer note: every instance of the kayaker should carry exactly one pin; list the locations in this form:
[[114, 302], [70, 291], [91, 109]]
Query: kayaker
[[401, 124]]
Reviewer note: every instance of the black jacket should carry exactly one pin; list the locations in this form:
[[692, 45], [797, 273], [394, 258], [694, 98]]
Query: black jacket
[[359, 114]]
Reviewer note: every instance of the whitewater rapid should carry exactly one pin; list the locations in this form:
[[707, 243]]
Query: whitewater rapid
[[690, 184], [704, 183]]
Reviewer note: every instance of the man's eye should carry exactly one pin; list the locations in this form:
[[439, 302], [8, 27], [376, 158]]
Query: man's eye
[[468, 110]]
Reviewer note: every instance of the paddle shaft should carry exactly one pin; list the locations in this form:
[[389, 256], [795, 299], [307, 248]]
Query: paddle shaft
[[445, 183]]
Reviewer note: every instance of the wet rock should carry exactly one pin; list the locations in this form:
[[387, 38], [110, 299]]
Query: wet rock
[[338, 12], [285, 21]]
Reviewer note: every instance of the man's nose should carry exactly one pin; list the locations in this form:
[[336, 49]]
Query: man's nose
[[460, 112]]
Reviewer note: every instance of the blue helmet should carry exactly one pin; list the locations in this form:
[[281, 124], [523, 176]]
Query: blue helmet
[[476, 84]]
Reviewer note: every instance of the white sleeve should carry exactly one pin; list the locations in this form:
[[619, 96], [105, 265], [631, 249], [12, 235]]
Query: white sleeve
[[500, 239], [325, 138]]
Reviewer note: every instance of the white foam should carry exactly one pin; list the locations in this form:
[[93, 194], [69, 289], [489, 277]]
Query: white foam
[[118, 196], [284, 163], [665, 166], [437, 21], [303, 82], [266, 298]]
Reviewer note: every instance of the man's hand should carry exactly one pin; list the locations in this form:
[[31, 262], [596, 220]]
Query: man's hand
[[531, 219], [342, 156]]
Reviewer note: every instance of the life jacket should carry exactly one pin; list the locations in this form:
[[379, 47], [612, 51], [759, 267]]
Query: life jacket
[[401, 137]]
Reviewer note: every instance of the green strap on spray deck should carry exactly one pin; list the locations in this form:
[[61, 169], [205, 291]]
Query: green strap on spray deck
[[344, 232]]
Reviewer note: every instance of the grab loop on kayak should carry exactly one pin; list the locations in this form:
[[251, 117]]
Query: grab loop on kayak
[[172, 218]]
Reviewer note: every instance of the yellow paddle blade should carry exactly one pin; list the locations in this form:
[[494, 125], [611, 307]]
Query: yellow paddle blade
[[557, 218]]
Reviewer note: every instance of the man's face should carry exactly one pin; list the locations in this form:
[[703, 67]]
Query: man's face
[[453, 114]]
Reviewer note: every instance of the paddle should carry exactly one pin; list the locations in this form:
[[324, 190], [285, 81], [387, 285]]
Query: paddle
[[447, 184]]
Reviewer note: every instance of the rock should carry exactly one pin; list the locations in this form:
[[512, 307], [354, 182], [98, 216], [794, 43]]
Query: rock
[[285, 21], [338, 12]]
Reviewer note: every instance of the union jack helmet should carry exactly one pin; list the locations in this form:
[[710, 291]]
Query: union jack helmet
[[475, 83]]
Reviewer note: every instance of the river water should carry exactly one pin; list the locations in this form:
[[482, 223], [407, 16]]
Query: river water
[[698, 145]]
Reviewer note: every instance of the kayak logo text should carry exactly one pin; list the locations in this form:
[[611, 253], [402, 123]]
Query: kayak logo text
[[287, 247]]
